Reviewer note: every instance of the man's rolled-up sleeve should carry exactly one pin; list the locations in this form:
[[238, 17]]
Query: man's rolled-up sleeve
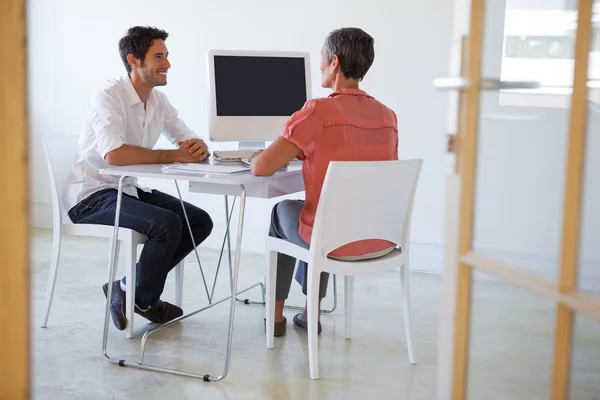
[[108, 123]]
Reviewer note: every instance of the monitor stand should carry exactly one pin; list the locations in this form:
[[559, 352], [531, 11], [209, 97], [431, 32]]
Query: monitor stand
[[251, 145]]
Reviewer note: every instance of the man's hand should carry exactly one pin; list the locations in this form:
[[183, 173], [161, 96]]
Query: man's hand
[[194, 150]]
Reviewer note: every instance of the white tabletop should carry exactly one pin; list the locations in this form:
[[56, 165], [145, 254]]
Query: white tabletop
[[283, 182]]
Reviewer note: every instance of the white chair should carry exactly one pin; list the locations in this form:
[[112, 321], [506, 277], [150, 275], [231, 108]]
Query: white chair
[[60, 154], [378, 206]]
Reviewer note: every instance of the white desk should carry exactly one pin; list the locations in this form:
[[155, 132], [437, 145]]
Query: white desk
[[280, 184], [241, 185]]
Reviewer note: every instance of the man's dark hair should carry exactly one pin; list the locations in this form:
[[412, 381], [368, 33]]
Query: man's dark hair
[[354, 48], [137, 41]]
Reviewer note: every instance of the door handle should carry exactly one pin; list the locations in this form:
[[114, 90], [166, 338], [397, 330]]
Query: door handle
[[461, 83], [497, 84], [452, 143], [452, 83]]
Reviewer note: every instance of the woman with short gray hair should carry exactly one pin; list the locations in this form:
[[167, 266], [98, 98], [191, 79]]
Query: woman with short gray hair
[[347, 125]]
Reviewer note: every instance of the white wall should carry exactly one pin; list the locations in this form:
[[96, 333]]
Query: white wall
[[73, 48], [71, 53]]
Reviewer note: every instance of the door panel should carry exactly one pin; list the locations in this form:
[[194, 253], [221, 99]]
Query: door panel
[[589, 248], [521, 158], [14, 206], [518, 185]]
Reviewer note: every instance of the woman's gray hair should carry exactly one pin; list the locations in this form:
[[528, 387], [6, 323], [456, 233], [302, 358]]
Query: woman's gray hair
[[354, 48]]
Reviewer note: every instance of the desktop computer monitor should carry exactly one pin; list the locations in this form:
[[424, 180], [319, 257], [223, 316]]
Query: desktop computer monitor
[[253, 93]]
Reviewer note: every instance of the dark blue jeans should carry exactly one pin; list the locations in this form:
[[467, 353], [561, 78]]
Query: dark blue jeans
[[160, 217]]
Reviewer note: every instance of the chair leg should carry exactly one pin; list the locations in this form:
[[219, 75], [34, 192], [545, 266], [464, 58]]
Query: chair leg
[[323, 310], [405, 288], [56, 241], [348, 298], [271, 278], [131, 254], [179, 284], [312, 294]]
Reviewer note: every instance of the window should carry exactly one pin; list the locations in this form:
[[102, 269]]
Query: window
[[549, 47], [539, 45], [571, 5]]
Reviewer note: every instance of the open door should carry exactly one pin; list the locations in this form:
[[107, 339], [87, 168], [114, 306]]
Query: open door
[[471, 86], [14, 206]]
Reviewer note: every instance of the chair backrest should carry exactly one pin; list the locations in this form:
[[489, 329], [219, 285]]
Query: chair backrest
[[365, 200], [60, 155]]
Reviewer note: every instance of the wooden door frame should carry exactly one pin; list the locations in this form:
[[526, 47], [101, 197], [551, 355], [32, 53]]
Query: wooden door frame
[[567, 284], [14, 206], [564, 292]]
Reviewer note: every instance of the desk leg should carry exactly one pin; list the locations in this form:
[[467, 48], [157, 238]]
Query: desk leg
[[228, 215], [234, 292], [227, 235], [226, 240], [234, 284], [292, 307], [209, 296], [111, 268], [262, 303]]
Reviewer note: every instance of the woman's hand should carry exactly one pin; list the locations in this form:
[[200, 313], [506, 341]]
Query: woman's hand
[[257, 152]]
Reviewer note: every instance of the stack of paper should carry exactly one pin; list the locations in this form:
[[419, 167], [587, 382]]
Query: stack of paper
[[201, 168], [245, 161]]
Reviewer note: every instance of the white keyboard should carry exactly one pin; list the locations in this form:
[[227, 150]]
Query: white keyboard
[[232, 155]]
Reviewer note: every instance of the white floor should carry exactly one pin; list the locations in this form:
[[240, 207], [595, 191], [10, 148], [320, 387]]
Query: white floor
[[511, 352]]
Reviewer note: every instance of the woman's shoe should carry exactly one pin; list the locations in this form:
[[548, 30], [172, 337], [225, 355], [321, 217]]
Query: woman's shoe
[[279, 327], [299, 321]]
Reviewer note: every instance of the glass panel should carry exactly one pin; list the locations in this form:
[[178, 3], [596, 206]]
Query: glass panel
[[589, 250], [585, 363], [512, 342], [523, 134]]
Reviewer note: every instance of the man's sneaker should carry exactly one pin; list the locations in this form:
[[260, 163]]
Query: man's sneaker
[[163, 312], [117, 304]]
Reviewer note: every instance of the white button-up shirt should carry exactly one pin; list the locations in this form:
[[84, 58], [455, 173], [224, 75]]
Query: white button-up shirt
[[116, 116]]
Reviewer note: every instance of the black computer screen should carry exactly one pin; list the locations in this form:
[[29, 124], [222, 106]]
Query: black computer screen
[[259, 86]]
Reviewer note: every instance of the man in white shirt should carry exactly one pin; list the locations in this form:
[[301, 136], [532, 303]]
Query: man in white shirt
[[123, 123]]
